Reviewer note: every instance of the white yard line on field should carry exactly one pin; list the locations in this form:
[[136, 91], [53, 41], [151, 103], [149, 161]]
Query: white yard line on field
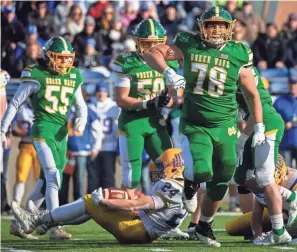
[[285, 248], [160, 250], [10, 249]]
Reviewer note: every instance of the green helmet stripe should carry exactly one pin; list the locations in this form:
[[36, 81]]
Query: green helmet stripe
[[152, 26], [64, 43], [217, 11]]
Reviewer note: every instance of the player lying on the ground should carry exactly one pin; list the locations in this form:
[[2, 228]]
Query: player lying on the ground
[[159, 212], [258, 220]]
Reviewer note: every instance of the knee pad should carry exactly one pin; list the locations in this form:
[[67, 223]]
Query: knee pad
[[52, 177], [216, 191]]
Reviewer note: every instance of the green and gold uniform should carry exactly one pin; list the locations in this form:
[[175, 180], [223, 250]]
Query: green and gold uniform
[[208, 123], [143, 128], [274, 130], [50, 104]]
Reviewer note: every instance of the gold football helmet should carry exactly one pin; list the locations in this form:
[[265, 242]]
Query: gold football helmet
[[169, 165], [281, 170]]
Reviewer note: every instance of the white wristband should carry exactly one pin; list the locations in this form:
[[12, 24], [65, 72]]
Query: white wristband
[[144, 103], [259, 128]]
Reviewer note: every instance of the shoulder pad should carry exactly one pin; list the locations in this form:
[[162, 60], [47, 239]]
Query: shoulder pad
[[243, 53], [126, 61]]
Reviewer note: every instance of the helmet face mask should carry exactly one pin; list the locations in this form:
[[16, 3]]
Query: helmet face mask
[[216, 26], [169, 165], [59, 55], [148, 34]]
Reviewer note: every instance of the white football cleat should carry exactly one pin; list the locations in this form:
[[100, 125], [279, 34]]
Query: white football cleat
[[204, 233], [41, 229], [175, 234], [258, 240], [292, 212], [273, 239], [16, 230], [58, 233], [190, 204], [26, 219]]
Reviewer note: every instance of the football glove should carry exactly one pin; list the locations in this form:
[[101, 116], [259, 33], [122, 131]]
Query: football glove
[[159, 101], [259, 136], [80, 124], [3, 140], [240, 147], [172, 78], [97, 195]]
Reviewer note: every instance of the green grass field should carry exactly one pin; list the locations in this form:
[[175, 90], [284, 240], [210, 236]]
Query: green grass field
[[90, 237]]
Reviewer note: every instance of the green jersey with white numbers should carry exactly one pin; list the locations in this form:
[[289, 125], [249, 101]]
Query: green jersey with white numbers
[[211, 79], [55, 95], [145, 82]]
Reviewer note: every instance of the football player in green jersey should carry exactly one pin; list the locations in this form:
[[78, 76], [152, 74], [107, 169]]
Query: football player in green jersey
[[52, 86], [140, 92], [213, 64], [264, 159]]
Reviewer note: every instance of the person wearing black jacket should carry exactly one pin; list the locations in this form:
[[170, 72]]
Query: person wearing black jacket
[[269, 49]]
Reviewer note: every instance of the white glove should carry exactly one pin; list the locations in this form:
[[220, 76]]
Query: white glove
[[80, 124], [97, 195], [3, 140], [172, 78], [259, 136], [240, 147]]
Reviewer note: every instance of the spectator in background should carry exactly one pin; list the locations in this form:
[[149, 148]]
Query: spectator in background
[[12, 31], [105, 21], [170, 22], [144, 13], [91, 57], [240, 31], [292, 54], [287, 106], [74, 23], [290, 28], [31, 37], [254, 23], [128, 14], [29, 58], [231, 7], [97, 8], [269, 49], [61, 12], [79, 40], [101, 172], [80, 147], [44, 21]]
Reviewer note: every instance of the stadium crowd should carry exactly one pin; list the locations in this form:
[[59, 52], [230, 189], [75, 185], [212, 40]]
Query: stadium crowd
[[100, 30]]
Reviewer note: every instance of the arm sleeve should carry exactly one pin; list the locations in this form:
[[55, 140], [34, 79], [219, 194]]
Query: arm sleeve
[[21, 95], [121, 80], [96, 135], [81, 108]]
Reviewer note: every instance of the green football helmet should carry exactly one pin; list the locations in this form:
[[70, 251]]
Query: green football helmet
[[149, 33], [58, 55], [215, 35]]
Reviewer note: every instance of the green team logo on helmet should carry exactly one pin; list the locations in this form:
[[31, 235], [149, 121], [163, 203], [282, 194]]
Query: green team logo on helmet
[[59, 55], [149, 33], [216, 35]]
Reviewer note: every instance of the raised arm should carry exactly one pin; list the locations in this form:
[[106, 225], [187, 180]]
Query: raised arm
[[157, 56]]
